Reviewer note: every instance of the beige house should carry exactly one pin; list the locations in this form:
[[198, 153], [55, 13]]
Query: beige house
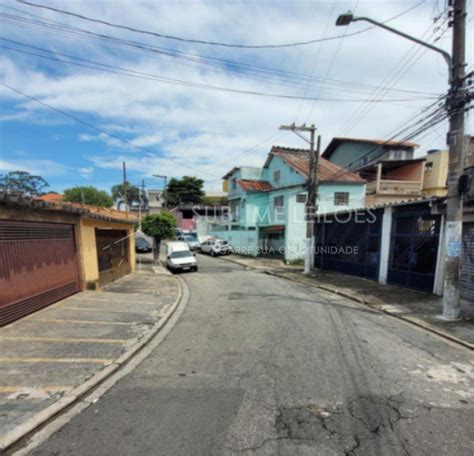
[[51, 249]]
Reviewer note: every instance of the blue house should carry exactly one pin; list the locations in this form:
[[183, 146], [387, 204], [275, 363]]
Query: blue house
[[267, 205]]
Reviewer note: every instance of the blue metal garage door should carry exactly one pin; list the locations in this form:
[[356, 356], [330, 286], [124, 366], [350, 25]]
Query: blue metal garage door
[[414, 250]]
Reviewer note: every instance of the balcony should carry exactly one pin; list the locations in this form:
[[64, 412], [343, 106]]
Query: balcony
[[394, 187]]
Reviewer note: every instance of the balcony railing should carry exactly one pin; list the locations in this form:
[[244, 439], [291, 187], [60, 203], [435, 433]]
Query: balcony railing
[[394, 187]]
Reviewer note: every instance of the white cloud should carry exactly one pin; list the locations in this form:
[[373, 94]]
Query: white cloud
[[45, 168], [210, 131], [86, 172]]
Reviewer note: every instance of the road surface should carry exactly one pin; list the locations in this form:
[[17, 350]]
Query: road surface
[[258, 365]]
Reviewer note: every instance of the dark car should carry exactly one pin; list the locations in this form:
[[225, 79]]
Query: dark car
[[142, 245]]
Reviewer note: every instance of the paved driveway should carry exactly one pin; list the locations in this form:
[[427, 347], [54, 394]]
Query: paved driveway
[[258, 365], [46, 355]]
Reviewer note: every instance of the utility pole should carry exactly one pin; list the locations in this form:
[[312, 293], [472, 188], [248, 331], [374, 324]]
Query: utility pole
[[311, 185], [125, 194], [456, 103]]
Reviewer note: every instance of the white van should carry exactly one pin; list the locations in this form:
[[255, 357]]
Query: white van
[[179, 257]]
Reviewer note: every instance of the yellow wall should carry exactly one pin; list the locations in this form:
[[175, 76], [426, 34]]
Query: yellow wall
[[225, 185], [88, 250], [436, 173]]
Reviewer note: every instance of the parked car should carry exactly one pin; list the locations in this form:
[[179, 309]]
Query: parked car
[[191, 240], [142, 245], [216, 247], [179, 257]]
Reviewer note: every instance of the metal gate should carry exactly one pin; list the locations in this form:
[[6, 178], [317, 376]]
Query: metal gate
[[414, 250], [38, 266], [112, 254], [350, 243], [467, 262]]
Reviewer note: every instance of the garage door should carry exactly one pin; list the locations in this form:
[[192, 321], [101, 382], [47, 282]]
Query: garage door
[[467, 262], [38, 266]]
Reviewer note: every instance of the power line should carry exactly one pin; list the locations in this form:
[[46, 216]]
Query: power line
[[247, 69], [173, 81], [100, 130], [334, 56], [391, 79], [190, 40]]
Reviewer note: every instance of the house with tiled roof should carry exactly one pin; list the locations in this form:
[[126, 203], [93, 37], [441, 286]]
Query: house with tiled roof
[[267, 204], [392, 172]]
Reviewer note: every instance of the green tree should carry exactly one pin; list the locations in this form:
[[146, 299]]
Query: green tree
[[187, 190], [132, 192], [159, 226], [23, 181], [88, 195]]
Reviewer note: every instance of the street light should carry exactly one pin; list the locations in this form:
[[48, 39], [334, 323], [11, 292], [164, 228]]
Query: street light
[[345, 19], [455, 104]]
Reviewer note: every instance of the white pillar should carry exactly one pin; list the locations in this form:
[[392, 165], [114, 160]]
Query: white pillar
[[385, 244]]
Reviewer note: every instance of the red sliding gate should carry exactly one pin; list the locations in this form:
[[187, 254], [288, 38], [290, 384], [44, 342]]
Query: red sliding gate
[[38, 266]]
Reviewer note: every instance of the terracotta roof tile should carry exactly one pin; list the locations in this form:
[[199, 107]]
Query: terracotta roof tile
[[254, 185], [299, 160]]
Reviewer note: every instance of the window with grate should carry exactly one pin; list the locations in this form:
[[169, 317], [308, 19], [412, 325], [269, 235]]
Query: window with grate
[[277, 175], [301, 198], [341, 198], [278, 201]]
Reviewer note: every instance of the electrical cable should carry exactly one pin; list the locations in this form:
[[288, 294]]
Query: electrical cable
[[195, 41], [101, 130]]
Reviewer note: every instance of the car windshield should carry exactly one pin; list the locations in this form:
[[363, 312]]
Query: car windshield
[[142, 242], [181, 254], [222, 242], [189, 238]]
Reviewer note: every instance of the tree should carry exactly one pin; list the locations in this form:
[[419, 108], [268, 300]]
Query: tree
[[131, 192], [88, 195], [187, 190], [159, 226], [23, 181]]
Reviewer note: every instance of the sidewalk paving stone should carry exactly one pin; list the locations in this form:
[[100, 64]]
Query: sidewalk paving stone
[[46, 355]]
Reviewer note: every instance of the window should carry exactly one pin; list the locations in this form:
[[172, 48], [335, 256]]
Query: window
[[233, 184], [397, 154], [429, 166], [278, 201], [277, 175], [341, 198], [301, 198]]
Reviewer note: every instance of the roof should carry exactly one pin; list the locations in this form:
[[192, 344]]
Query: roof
[[254, 185], [298, 159], [232, 171], [409, 201], [83, 210], [52, 197], [379, 142]]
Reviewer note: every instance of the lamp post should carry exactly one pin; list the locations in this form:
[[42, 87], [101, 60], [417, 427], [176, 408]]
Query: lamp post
[[455, 105]]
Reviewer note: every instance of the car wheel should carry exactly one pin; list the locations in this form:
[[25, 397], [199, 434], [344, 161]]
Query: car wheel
[[213, 253], [195, 268]]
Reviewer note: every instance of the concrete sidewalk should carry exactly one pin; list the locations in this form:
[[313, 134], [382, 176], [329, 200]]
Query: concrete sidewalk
[[418, 308], [50, 355]]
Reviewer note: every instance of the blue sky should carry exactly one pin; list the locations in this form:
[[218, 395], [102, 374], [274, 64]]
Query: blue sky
[[185, 130]]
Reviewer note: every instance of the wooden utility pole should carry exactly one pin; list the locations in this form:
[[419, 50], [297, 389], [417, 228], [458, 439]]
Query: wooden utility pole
[[311, 185], [456, 103], [125, 193]]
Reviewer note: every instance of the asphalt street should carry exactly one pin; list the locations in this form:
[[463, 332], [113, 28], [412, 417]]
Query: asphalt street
[[258, 365]]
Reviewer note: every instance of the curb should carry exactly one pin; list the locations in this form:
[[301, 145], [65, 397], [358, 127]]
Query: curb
[[411, 320], [80, 391]]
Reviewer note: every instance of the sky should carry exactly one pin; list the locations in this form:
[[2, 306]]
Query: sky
[[369, 85]]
